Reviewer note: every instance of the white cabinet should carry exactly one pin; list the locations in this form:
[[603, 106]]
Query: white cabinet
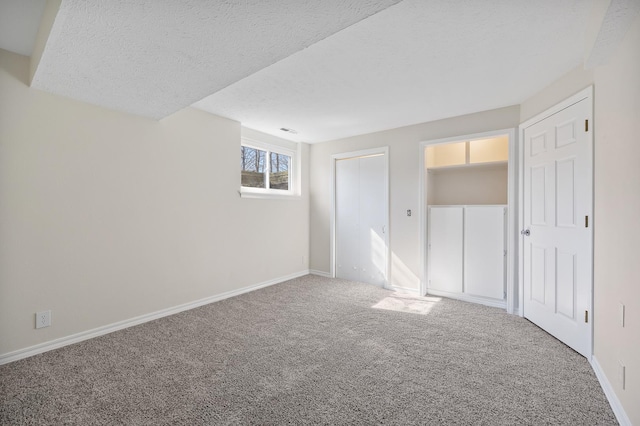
[[467, 252]]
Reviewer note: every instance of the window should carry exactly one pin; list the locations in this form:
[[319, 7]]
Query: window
[[266, 170], [279, 171]]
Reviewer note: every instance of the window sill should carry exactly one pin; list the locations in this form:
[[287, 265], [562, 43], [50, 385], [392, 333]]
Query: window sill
[[268, 195]]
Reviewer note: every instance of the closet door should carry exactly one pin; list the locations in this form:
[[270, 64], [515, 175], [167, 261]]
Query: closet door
[[347, 219], [372, 237], [361, 215], [484, 255], [445, 249]]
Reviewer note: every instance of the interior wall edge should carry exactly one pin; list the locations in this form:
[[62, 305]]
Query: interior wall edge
[[320, 273]]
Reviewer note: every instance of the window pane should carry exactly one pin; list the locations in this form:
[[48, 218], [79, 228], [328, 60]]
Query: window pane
[[279, 175], [252, 163]]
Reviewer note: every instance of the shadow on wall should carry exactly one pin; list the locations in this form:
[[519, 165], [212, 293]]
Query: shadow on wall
[[17, 69], [402, 276]]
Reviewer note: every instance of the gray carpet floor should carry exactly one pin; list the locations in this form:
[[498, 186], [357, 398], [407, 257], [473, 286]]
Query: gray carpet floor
[[312, 351]]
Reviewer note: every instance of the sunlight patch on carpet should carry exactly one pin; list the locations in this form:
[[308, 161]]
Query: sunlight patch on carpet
[[407, 303]]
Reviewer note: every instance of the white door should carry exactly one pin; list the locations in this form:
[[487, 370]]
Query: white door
[[361, 217], [557, 197], [347, 219], [446, 248]]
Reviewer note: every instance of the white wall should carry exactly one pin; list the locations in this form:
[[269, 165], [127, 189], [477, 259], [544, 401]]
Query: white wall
[[617, 208], [569, 84], [105, 216], [617, 211], [469, 185], [404, 154]]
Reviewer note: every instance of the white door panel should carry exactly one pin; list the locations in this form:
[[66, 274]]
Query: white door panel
[[557, 196], [372, 220], [446, 249], [347, 211], [361, 217], [484, 251]]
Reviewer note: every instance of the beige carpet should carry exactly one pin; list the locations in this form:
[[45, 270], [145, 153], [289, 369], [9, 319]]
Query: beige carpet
[[312, 351]]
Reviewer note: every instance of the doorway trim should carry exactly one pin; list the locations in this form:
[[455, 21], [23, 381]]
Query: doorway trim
[[512, 204], [384, 151], [586, 93]]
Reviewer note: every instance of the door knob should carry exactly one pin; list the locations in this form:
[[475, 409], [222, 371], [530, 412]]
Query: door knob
[[526, 232]]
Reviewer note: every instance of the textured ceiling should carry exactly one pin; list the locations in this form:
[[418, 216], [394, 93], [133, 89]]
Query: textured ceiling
[[617, 20], [416, 61], [327, 69], [154, 57]]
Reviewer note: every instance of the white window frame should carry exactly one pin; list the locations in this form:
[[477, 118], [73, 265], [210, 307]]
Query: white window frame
[[294, 184]]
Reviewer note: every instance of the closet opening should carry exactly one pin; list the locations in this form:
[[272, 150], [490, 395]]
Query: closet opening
[[468, 218]]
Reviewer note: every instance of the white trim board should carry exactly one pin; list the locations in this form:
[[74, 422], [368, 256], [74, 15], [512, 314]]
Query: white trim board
[[399, 289], [110, 328], [319, 273], [616, 406], [502, 304]]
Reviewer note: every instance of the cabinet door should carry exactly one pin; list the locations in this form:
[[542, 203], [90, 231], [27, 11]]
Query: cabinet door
[[445, 249], [484, 243]]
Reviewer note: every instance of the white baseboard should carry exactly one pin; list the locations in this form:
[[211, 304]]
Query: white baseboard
[[616, 406], [320, 273], [413, 291], [467, 298], [110, 328]]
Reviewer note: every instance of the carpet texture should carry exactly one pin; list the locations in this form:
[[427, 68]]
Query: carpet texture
[[312, 351]]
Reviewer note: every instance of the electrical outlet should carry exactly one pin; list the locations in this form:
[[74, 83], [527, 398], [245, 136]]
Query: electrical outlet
[[43, 319], [408, 212]]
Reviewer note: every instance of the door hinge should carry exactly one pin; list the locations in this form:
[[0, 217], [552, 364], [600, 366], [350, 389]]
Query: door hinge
[[586, 125], [586, 316], [586, 221]]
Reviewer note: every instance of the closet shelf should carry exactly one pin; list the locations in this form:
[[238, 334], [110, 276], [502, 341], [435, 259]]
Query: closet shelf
[[487, 165]]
